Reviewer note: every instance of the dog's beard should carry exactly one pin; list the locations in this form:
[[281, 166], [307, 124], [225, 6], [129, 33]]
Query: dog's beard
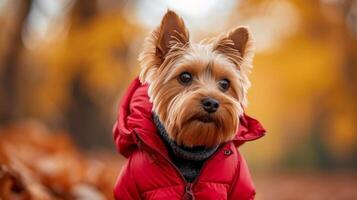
[[204, 129], [189, 125]]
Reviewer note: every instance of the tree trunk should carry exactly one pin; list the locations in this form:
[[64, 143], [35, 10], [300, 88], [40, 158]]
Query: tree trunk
[[11, 63]]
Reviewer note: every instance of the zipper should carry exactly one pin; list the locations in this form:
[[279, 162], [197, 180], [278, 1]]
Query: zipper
[[188, 195], [188, 192], [189, 186]]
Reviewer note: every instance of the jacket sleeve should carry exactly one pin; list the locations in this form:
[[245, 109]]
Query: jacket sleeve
[[125, 187], [242, 187], [126, 143]]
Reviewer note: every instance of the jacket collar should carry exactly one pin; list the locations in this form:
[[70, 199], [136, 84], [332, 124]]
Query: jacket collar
[[195, 154]]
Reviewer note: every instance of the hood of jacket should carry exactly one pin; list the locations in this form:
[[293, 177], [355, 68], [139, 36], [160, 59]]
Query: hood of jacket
[[135, 124]]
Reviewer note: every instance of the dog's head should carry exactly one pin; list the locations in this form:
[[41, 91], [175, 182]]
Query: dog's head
[[198, 90]]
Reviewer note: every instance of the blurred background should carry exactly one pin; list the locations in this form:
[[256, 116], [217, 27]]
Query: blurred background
[[64, 65]]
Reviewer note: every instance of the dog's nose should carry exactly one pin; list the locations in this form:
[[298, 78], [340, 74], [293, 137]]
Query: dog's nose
[[210, 104]]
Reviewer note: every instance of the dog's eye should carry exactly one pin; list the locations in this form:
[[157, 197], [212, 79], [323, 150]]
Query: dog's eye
[[223, 84], [185, 78]]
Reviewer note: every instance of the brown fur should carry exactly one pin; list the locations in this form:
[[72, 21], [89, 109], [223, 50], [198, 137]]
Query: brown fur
[[168, 52]]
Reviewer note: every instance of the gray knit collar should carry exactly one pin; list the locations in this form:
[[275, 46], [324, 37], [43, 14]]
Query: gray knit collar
[[196, 153]]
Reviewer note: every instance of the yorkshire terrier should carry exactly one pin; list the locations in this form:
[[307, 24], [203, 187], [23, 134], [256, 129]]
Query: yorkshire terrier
[[187, 108]]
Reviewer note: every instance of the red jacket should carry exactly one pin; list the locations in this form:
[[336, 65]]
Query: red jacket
[[149, 173]]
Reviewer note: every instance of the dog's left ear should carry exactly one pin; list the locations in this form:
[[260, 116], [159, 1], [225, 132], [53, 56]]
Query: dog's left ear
[[237, 45], [171, 31]]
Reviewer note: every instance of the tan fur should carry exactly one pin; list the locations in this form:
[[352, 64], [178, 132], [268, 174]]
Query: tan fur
[[168, 52]]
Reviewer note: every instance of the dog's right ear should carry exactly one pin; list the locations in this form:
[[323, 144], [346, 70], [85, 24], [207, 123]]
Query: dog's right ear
[[171, 31], [237, 45]]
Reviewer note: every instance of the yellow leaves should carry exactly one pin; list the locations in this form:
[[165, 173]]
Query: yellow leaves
[[98, 53], [341, 136], [296, 82]]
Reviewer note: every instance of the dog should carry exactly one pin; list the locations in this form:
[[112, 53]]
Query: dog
[[181, 121]]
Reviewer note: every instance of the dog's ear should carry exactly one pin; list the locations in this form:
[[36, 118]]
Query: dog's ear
[[237, 45], [171, 31]]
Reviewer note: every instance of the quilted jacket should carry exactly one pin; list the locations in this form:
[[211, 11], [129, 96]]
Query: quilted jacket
[[150, 174]]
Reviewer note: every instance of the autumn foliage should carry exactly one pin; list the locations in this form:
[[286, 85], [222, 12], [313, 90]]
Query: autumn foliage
[[38, 164]]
